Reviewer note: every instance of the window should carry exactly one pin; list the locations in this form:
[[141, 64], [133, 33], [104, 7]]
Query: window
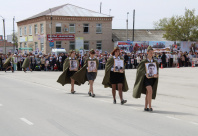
[[20, 45], [42, 28], [58, 44], [42, 47], [71, 28], [98, 28], [72, 45], [86, 28], [30, 30], [99, 45], [25, 45], [36, 45], [25, 30], [20, 31], [58, 27], [35, 29], [86, 45]]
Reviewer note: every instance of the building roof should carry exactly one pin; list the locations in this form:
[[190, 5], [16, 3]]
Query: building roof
[[139, 35], [7, 44], [69, 10]]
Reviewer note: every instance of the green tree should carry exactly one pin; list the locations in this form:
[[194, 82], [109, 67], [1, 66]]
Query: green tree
[[15, 39], [180, 28]]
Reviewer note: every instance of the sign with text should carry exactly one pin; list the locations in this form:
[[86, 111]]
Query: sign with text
[[61, 37]]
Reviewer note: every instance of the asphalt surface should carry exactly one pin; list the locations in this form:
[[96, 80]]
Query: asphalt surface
[[34, 104]]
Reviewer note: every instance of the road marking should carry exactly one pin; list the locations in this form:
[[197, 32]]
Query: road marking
[[26, 121], [1, 104], [194, 123], [172, 118]]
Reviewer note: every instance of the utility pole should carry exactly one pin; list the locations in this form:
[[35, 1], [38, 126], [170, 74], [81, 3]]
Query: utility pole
[[127, 26], [13, 36], [4, 33], [133, 23], [51, 30]]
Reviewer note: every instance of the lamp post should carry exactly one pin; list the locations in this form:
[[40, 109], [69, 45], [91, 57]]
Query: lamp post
[[4, 33], [51, 29], [133, 23], [13, 36], [127, 26]]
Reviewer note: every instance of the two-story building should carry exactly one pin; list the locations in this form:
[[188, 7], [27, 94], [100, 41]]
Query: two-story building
[[72, 28]]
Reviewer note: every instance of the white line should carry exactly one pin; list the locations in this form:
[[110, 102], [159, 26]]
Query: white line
[[194, 123], [172, 117], [1, 105], [26, 121]]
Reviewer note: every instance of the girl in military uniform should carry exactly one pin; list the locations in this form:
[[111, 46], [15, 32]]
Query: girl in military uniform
[[115, 80], [8, 63], [88, 72], [26, 63], [68, 71], [146, 85]]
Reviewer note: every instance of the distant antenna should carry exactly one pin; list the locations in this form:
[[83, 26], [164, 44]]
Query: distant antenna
[[100, 6]]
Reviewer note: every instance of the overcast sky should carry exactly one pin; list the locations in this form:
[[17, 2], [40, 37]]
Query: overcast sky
[[147, 11]]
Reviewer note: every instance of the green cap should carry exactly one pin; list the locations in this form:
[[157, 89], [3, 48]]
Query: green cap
[[149, 48], [92, 51]]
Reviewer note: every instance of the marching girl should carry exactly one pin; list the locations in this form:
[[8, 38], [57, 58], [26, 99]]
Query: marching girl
[[115, 76], [26, 63], [88, 72], [8, 63], [147, 79], [70, 67]]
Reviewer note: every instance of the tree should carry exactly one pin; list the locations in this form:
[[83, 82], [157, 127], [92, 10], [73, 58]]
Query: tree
[[15, 39], [180, 28]]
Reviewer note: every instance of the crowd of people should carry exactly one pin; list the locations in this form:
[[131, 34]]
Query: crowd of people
[[54, 62]]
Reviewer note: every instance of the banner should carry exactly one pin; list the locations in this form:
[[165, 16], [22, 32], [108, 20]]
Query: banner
[[61, 37], [79, 43]]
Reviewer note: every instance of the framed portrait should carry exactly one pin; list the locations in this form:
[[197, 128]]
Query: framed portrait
[[92, 66], [151, 69], [132, 61], [118, 65], [73, 65]]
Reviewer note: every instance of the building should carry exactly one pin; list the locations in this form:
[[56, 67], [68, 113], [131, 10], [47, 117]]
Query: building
[[9, 47], [72, 28]]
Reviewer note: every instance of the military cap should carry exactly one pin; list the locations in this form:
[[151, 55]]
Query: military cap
[[149, 48], [92, 51]]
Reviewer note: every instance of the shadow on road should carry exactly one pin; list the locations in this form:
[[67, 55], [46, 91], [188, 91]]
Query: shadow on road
[[171, 112]]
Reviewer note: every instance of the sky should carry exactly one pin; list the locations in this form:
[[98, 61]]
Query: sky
[[147, 11]]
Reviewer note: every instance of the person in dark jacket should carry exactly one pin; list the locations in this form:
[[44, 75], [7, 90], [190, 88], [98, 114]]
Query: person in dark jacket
[[126, 59], [164, 59]]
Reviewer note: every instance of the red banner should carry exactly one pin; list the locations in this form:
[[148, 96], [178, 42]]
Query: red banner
[[61, 37]]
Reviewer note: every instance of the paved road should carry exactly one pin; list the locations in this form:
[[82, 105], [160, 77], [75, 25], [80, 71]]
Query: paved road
[[33, 104]]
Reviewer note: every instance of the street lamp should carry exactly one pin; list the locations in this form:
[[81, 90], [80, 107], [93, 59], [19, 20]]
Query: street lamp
[[127, 25], [109, 11], [4, 33]]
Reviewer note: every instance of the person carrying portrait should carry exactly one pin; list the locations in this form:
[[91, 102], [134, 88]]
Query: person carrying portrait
[[8, 63], [26, 63], [146, 85], [88, 72], [65, 77], [115, 80]]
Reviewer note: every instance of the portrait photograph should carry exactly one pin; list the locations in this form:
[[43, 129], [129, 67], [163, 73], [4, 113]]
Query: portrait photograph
[[73, 65], [118, 65], [151, 69], [92, 66]]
